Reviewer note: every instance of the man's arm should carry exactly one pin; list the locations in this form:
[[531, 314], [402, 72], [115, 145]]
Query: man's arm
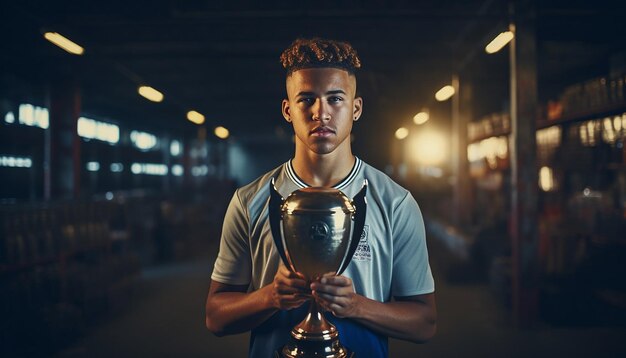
[[230, 309], [410, 318]]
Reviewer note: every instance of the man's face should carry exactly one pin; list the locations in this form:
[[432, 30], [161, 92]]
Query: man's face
[[322, 106]]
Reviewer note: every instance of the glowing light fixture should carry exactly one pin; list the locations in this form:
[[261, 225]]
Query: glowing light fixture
[[429, 148], [221, 132], [421, 118], [546, 179], [117, 167], [9, 117], [176, 148], [149, 169], [499, 42], [150, 93], [195, 117], [33, 116], [198, 171], [143, 141], [92, 129], [402, 133], [15, 162], [474, 152], [177, 170], [444, 93], [64, 43], [93, 166]]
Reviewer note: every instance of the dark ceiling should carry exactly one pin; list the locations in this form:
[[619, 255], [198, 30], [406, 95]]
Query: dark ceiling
[[221, 57]]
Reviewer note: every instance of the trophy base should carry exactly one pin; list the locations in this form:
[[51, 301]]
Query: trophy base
[[299, 348], [280, 354]]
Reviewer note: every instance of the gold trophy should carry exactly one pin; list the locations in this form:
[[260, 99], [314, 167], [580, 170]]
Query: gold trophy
[[316, 231]]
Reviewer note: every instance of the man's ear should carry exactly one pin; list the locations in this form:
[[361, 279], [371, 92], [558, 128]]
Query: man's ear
[[285, 110], [358, 108]]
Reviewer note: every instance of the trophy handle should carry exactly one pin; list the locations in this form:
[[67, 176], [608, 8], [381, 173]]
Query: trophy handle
[[275, 213], [360, 204]]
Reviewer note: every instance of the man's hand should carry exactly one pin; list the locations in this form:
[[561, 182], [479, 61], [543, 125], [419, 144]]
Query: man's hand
[[336, 295], [289, 290], [412, 317], [230, 309]]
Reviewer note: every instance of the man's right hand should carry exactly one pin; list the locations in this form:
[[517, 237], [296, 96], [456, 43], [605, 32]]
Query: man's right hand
[[289, 290], [231, 309]]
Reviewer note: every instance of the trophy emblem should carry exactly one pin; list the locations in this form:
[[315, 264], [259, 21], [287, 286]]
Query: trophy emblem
[[316, 231]]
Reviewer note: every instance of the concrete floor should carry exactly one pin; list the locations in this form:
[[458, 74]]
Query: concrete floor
[[166, 319]]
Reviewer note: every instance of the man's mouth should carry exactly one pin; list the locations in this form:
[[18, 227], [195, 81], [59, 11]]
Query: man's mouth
[[322, 131]]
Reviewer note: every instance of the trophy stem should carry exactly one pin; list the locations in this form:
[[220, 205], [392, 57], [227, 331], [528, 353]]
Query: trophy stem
[[314, 327], [314, 337]]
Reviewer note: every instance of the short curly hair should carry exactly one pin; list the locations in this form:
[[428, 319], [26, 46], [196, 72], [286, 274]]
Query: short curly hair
[[320, 53]]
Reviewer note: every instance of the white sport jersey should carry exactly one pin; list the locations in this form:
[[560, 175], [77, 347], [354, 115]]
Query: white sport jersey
[[391, 259]]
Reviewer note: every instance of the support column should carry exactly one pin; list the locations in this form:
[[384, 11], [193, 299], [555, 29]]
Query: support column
[[524, 191], [63, 146], [460, 167]]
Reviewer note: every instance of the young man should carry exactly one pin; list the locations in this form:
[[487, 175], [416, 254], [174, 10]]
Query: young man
[[387, 290]]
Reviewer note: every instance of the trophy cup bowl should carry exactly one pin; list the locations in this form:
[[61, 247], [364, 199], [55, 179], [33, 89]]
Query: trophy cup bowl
[[316, 232]]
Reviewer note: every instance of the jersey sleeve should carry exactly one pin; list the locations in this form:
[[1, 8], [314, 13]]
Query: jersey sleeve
[[411, 270], [233, 263]]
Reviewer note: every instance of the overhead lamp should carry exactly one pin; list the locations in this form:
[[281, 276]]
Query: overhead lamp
[[402, 133], [421, 118], [428, 148], [221, 132], [499, 42], [195, 117], [143, 141], [150, 93], [64, 43], [444, 93], [9, 117]]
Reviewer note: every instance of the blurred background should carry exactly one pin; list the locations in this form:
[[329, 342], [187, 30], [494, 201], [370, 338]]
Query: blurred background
[[125, 127]]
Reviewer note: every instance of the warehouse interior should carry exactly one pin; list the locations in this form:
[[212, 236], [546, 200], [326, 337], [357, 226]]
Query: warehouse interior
[[112, 201]]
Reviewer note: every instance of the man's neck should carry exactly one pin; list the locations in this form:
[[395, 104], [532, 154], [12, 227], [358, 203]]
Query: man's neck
[[324, 170]]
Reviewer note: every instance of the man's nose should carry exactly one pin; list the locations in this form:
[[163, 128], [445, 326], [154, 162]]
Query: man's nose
[[320, 111]]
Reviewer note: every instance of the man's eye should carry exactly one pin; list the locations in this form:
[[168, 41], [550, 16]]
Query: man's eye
[[308, 101], [335, 99]]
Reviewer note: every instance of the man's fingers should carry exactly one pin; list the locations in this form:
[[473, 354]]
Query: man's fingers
[[292, 301], [330, 304], [335, 309], [289, 278], [328, 289], [290, 289], [287, 290], [321, 301], [332, 289], [328, 299], [283, 270], [292, 282], [288, 273], [336, 280]]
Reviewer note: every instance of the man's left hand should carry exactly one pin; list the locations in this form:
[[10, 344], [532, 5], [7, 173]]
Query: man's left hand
[[336, 295]]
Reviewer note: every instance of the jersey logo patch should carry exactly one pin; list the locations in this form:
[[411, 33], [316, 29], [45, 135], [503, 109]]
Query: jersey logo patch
[[363, 251]]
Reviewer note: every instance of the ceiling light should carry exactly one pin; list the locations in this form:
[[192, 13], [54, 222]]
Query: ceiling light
[[402, 133], [499, 42], [195, 117], [221, 132], [150, 93], [64, 43], [444, 93], [428, 148], [421, 118]]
